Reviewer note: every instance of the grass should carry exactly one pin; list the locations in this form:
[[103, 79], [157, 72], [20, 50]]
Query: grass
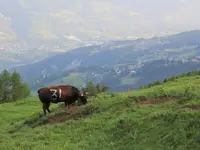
[[110, 121]]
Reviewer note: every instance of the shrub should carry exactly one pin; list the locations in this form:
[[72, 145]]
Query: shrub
[[94, 90]]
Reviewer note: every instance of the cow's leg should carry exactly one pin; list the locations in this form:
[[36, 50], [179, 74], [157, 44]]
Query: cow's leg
[[66, 105], [47, 107], [44, 108], [78, 102]]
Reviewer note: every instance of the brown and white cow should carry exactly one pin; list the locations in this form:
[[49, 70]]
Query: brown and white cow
[[61, 93]]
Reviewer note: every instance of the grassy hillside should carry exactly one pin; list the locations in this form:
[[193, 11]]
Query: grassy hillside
[[165, 116]]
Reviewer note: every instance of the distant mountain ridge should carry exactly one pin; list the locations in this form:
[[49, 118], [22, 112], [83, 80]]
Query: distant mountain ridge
[[119, 78], [175, 47], [109, 61]]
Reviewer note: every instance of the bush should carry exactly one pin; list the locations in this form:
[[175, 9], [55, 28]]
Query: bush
[[93, 89]]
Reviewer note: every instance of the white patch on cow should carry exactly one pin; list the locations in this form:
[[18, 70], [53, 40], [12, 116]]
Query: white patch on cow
[[60, 93], [81, 94], [54, 93]]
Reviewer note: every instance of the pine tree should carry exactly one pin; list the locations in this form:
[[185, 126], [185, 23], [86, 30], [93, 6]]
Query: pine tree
[[5, 86], [11, 87], [16, 83], [25, 91], [1, 90]]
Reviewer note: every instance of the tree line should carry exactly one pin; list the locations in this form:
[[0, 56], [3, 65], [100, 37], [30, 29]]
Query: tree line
[[94, 90], [12, 87]]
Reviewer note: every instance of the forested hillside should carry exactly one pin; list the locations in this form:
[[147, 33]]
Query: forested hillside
[[118, 79]]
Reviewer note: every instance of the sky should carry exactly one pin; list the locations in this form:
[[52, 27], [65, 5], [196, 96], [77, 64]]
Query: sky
[[113, 18]]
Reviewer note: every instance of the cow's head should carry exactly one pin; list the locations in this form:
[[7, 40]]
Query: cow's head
[[83, 97]]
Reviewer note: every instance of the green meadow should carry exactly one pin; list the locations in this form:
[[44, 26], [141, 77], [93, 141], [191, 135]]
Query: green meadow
[[164, 116]]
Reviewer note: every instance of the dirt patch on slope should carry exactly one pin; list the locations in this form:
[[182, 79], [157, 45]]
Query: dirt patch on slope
[[70, 112], [191, 107], [64, 114], [156, 100]]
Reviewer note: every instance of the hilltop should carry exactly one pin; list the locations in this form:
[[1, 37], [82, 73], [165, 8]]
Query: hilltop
[[164, 116]]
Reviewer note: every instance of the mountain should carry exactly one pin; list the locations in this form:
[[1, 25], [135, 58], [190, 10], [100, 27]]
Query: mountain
[[119, 78], [176, 47], [161, 117], [120, 64]]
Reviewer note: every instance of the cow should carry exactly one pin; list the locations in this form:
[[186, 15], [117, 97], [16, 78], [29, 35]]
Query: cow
[[61, 93]]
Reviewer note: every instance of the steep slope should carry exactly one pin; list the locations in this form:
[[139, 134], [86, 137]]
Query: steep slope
[[161, 117]]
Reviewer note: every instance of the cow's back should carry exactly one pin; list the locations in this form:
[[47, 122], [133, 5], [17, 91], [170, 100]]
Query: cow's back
[[68, 93]]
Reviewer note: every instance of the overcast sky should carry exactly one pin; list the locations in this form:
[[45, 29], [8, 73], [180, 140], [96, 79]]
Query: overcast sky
[[152, 15], [110, 17]]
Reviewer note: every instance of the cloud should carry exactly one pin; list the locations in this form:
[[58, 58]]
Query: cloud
[[13, 10], [168, 18], [182, 1], [4, 17], [179, 17], [71, 37], [108, 18], [132, 13], [101, 6], [74, 20], [101, 9], [62, 13]]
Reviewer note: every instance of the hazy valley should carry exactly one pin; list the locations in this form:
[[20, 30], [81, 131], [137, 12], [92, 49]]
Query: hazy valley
[[63, 42], [120, 64]]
